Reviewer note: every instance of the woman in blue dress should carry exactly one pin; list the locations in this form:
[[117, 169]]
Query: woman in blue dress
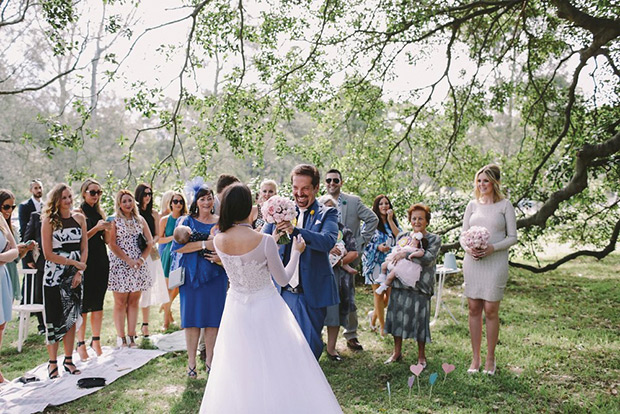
[[177, 207], [203, 293], [374, 255], [8, 253]]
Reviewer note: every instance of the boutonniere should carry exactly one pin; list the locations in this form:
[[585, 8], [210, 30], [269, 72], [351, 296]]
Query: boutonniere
[[344, 202], [312, 212]]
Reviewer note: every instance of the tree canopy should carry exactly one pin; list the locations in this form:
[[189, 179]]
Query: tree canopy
[[405, 98]]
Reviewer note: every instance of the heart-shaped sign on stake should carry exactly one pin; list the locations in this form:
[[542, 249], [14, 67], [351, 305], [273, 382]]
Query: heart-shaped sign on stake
[[410, 382], [447, 368], [432, 379], [417, 370]]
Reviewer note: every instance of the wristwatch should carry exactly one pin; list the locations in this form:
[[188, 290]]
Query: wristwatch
[[203, 245]]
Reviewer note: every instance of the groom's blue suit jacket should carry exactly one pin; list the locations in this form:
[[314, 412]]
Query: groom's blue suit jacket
[[315, 273]]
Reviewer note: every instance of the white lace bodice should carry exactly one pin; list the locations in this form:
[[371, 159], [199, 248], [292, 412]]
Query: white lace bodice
[[252, 272]]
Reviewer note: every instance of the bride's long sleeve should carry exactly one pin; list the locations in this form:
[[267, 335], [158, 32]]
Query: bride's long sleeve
[[281, 274]]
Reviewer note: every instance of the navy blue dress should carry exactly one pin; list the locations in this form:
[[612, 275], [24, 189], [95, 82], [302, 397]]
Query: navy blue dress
[[204, 292]]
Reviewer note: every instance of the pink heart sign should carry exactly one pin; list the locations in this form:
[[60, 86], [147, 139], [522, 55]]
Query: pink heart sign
[[447, 368], [417, 369]]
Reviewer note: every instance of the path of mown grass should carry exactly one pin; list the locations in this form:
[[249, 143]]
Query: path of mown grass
[[559, 351]]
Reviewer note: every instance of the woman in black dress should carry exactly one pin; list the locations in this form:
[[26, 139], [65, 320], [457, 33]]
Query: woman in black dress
[[96, 274]]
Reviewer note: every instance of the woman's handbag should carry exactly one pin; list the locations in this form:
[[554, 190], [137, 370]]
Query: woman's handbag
[[142, 243], [176, 277]]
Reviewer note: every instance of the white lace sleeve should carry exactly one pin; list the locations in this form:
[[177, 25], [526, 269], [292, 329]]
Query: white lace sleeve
[[274, 262]]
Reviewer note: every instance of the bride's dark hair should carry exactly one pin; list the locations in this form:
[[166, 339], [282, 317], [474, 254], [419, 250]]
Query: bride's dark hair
[[236, 205]]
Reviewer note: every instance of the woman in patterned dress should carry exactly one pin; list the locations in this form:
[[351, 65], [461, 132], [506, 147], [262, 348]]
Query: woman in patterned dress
[[374, 255], [65, 247], [409, 311], [129, 275]]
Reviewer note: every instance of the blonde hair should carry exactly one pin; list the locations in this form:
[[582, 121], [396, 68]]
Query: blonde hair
[[3, 226], [269, 182], [165, 202], [84, 188], [493, 174], [327, 198], [52, 206], [117, 205]]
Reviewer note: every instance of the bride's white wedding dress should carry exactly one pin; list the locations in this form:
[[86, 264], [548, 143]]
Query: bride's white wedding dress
[[262, 362]]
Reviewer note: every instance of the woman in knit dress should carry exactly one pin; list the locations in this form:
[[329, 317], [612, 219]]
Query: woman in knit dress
[[486, 271], [98, 267], [409, 310]]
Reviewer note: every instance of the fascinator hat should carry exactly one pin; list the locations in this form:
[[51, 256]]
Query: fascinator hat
[[193, 186]]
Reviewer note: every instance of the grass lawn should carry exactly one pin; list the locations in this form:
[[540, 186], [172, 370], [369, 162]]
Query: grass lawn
[[559, 351]]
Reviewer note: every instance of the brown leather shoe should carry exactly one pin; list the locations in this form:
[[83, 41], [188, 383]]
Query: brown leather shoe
[[354, 344]]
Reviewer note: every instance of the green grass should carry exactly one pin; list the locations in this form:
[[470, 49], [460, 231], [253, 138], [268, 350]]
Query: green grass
[[559, 351]]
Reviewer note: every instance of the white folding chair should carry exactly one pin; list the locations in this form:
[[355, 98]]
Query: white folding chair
[[24, 311]]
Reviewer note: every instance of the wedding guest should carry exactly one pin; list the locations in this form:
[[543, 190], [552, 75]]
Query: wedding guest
[[177, 207], [374, 254], [98, 266], [223, 181], [7, 203], [37, 259], [157, 294], [351, 211], [204, 292], [338, 315], [165, 204], [29, 206], [267, 189], [129, 275], [486, 270], [65, 246], [8, 253], [409, 309]]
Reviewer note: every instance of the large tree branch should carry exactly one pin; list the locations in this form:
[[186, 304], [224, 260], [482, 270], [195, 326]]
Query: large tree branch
[[600, 254]]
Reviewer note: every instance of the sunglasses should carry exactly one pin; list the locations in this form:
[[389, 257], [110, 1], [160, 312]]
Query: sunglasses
[[178, 202], [95, 192], [148, 193], [8, 207], [335, 180]]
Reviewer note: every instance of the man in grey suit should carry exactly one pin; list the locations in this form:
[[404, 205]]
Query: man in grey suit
[[351, 211]]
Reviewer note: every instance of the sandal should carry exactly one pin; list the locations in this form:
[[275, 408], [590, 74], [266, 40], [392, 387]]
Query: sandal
[[145, 325], [79, 344], [132, 341], [66, 364], [121, 342], [98, 339], [191, 372], [54, 371]]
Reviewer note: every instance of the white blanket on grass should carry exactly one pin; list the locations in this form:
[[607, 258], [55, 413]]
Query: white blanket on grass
[[18, 398]]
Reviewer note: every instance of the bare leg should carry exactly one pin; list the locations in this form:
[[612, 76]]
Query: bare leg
[[145, 320], [81, 334], [491, 316], [67, 343], [210, 334], [379, 309], [398, 347], [191, 341], [475, 330], [332, 336], [132, 312], [421, 353], [1, 335], [120, 310], [52, 352], [96, 319]]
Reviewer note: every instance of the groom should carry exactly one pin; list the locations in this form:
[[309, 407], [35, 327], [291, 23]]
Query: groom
[[313, 287]]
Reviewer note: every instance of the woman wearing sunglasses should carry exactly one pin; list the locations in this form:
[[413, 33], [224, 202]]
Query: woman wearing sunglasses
[[178, 208], [98, 267]]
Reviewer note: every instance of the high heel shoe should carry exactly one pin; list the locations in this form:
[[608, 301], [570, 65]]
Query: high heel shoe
[[132, 341], [121, 342], [80, 344], [142, 329], [66, 365], [490, 372], [392, 359], [191, 372], [92, 340], [54, 371]]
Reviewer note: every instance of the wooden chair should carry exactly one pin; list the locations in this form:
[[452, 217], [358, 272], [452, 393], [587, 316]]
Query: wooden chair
[[24, 311]]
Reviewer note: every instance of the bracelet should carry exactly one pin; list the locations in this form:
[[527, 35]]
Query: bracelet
[[203, 245], [142, 259]]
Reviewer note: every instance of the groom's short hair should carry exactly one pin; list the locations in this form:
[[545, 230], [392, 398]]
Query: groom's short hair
[[308, 170]]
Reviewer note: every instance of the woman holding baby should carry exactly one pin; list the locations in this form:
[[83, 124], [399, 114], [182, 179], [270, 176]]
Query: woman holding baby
[[203, 293], [409, 309]]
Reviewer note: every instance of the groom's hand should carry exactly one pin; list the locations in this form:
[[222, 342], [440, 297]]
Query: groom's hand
[[285, 227]]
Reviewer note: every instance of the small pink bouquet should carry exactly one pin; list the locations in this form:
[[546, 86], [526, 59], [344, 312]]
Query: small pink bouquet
[[278, 209], [476, 237]]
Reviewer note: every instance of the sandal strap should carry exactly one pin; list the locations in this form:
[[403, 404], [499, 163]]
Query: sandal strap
[[145, 324], [191, 372], [95, 338], [80, 343]]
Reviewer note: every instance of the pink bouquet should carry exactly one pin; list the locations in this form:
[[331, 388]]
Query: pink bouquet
[[278, 209], [476, 237]]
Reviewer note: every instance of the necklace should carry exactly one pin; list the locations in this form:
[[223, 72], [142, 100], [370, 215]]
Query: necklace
[[243, 225]]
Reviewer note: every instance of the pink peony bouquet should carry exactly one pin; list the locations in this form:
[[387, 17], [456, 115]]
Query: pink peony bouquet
[[278, 209], [476, 237]]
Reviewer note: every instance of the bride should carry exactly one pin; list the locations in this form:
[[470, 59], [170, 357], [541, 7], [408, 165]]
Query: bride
[[262, 362]]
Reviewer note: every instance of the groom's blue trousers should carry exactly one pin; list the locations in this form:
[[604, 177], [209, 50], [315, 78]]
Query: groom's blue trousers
[[310, 319]]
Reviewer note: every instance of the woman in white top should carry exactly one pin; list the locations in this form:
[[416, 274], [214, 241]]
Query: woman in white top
[[486, 270]]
